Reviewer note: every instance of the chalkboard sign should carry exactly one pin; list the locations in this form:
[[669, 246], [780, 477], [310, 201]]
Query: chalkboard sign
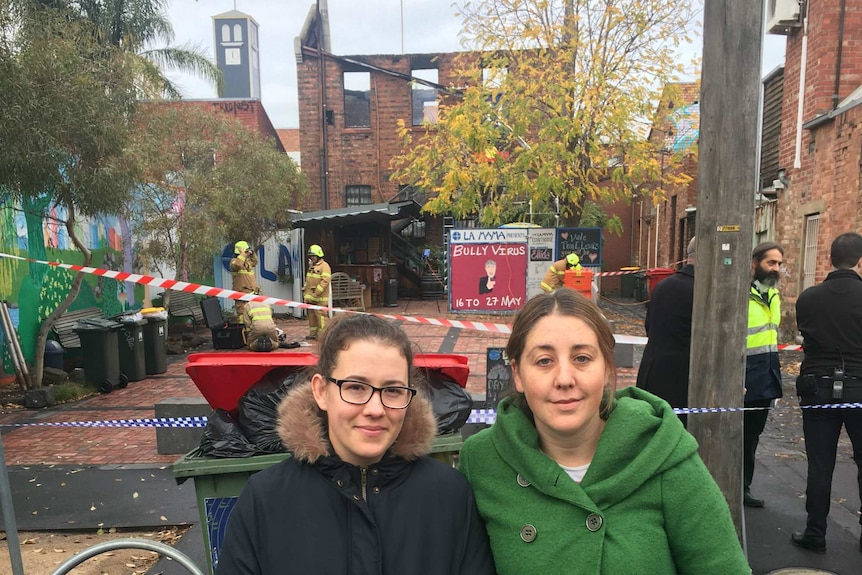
[[586, 242], [498, 379]]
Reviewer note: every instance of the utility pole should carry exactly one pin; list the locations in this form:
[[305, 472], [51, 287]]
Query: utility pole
[[726, 180]]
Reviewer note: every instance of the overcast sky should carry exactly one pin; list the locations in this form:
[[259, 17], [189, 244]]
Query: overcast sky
[[357, 27]]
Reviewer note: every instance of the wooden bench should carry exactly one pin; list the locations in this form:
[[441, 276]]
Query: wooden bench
[[64, 327], [346, 293], [185, 304]]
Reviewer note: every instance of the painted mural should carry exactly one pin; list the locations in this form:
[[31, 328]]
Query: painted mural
[[686, 126], [36, 229]]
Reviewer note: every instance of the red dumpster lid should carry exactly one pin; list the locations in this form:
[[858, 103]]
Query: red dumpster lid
[[455, 366], [656, 272], [223, 378]]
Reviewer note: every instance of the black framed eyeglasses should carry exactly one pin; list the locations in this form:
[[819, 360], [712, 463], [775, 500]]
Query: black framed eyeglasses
[[359, 393]]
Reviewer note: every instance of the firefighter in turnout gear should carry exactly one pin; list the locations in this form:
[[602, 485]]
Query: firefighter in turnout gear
[[242, 272], [554, 278], [316, 290], [260, 332]]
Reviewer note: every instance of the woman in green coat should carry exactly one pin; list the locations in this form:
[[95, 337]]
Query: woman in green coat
[[573, 478]]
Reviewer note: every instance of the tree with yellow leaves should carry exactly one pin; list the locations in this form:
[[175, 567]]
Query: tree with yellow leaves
[[560, 95]]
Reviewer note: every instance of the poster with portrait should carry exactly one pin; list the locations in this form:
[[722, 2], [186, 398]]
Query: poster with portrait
[[487, 270], [586, 242]]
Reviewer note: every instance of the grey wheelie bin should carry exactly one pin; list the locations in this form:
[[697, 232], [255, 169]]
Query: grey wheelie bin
[[101, 353], [155, 344], [131, 347]]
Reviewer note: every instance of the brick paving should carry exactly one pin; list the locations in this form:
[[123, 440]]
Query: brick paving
[[99, 446]]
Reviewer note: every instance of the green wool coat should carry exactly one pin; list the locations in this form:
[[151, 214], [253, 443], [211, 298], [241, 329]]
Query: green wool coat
[[647, 503]]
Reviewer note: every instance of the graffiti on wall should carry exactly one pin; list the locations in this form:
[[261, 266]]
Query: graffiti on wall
[[686, 126]]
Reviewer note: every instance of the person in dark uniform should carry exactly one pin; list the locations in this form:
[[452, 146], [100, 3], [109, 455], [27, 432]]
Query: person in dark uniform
[[829, 316], [664, 367]]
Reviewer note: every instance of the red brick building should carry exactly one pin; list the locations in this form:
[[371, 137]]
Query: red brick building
[[348, 115], [349, 108], [811, 148], [349, 111], [289, 138], [662, 229], [819, 191]]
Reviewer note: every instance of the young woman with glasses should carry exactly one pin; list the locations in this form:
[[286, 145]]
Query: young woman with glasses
[[359, 494]]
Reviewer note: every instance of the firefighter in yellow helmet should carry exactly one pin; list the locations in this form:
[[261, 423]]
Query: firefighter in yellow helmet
[[316, 290], [260, 331], [554, 278], [242, 272]]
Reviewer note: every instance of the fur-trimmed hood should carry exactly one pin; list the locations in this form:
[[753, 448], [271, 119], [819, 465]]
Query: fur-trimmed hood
[[302, 427]]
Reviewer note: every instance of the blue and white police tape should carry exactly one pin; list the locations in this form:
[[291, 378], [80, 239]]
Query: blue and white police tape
[[490, 415], [476, 416], [150, 422]]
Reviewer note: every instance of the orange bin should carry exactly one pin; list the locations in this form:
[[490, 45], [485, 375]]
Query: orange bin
[[579, 280]]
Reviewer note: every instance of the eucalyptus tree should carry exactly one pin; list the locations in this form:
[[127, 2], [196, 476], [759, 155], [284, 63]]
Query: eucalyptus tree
[[64, 131]]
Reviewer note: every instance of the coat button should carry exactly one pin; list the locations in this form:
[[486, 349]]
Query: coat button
[[357, 498], [528, 533], [523, 482], [340, 483], [376, 490], [594, 522], [375, 471]]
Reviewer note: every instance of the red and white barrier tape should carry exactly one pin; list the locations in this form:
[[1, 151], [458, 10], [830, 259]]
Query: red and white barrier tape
[[226, 293]]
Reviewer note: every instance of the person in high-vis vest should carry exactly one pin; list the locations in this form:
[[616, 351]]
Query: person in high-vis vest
[[316, 290], [762, 369], [260, 332], [242, 273], [554, 277]]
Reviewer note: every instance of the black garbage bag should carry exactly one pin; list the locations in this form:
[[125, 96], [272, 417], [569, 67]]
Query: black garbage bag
[[223, 437], [450, 402], [258, 408]]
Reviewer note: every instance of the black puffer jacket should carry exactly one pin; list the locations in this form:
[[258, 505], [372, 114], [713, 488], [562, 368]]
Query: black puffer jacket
[[307, 514]]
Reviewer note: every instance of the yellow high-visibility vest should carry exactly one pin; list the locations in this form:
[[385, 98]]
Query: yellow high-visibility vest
[[763, 320]]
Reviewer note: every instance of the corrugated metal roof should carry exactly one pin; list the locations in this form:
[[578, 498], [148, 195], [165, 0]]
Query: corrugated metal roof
[[357, 214]]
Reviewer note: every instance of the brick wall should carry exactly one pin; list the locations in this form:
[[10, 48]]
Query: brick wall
[[819, 82], [827, 181], [661, 234], [358, 156], [673, 225]]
